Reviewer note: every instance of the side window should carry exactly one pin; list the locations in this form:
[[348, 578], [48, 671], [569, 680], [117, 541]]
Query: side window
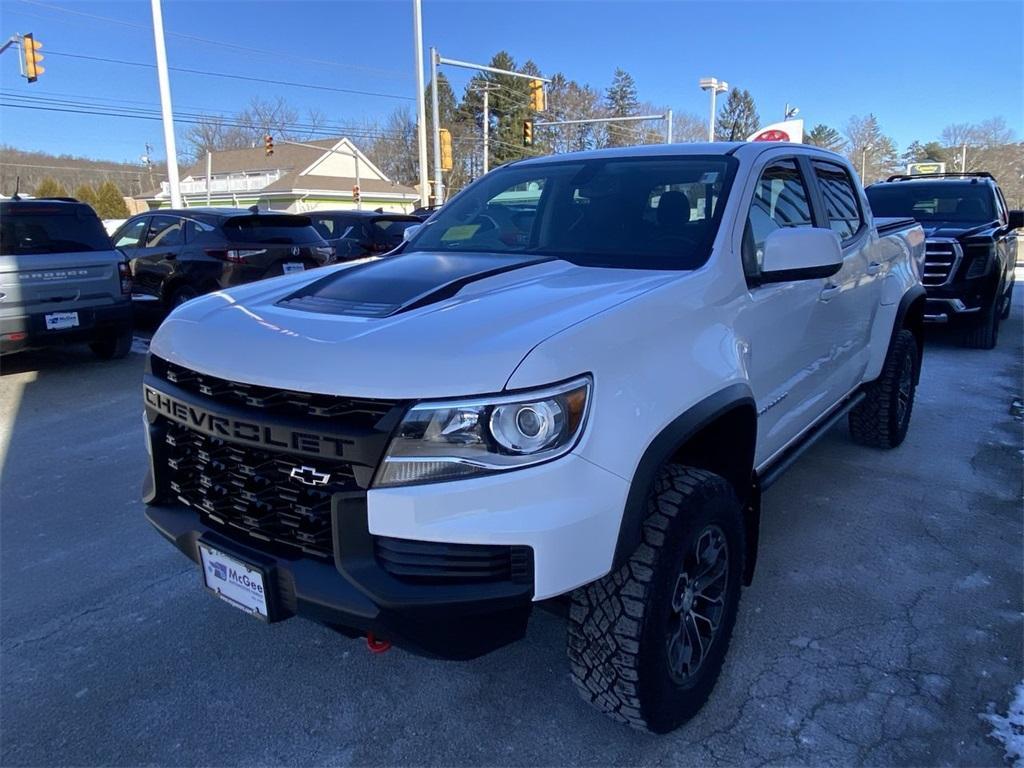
[[164, 232], [131, 234], [324, 226], [1001, 210], [842, 204], [780, 200]]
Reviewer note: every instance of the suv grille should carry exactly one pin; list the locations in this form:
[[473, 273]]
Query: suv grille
[[435, 562], [941, 258], [355, 412]]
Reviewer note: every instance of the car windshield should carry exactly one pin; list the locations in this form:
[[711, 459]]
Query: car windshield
[[30, 229], [642, 213], [271, 230], [940, 201]]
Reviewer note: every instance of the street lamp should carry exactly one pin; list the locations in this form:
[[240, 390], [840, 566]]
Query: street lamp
[[714, 86], [863, 161]]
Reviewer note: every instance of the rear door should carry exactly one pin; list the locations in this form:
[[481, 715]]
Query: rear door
[[128, 239], [55, 259], [157, 253]]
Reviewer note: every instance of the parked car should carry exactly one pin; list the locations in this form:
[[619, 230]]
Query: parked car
[[177, 255], [61, 280], [971, 248], [577, 380], [425, 212], [358, 234]]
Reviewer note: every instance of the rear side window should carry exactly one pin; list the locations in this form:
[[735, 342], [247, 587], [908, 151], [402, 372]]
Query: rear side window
[[780, 200], [131, 234], [271, 230], [165, 231], [842, 204], [389, 231], [31, 229]]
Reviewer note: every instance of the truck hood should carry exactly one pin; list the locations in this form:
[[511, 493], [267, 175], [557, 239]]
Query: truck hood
[[416, 325], [953, 230]]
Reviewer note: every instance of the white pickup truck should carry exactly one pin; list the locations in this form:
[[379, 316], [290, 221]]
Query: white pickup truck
[[576, 379]]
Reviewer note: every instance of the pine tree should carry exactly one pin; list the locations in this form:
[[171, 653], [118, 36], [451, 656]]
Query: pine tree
[[826, 137], [738, 117], [109, 202], [86, 193], [621, 101], [50, 187]]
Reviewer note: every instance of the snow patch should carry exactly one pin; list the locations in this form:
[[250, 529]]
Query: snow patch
[[1009, 729]]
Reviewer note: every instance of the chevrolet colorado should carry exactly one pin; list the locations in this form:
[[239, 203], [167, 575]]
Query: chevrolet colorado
[[971, 246], [576, 379]]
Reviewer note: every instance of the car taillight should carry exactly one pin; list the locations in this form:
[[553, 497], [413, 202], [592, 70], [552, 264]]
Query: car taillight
[[234, 255], [125, 274]]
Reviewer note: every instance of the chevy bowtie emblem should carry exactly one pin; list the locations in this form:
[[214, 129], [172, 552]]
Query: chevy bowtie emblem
[[309, 476], [296, 250]]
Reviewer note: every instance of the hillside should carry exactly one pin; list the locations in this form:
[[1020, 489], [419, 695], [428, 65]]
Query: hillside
[[33, 167]]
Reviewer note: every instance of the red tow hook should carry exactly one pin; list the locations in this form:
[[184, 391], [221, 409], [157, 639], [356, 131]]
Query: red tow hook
[[375, 645]]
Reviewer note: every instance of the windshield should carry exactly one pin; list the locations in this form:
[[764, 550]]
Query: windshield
[[642, 213], [271, 230], [31, 229], [941, 201]]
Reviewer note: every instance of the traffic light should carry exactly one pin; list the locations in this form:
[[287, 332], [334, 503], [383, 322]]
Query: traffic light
[[268, 145], [446, 149], [31, 57], [527, 133], [538, 100], [356, 195]]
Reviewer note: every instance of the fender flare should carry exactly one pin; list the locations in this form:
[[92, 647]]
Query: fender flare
[[662, 448], [913, 295]]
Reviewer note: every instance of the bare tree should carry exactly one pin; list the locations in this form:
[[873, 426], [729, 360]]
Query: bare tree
[[870, 151]]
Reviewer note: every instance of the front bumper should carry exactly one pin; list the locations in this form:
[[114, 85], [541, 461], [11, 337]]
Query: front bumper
[[356, 597], [30, 332], [942, 310]]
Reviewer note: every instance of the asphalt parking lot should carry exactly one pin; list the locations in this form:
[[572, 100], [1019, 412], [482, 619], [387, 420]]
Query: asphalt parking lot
[[885, 617]]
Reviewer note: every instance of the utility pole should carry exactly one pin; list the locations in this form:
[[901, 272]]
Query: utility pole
[[863, 162], [209, 175], [484, 90], [435, 111], [421, 99], [668, 128], [165, 104], [963, 159]]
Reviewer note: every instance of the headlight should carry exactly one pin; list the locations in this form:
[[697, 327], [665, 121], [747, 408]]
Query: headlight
[[466, 438]]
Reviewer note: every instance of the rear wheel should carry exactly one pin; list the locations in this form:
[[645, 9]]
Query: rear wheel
[[647, 642], [985, 334], [113, 347], [881, 420], [181, 294]]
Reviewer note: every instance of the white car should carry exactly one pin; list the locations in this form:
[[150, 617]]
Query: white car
[[576, 379]]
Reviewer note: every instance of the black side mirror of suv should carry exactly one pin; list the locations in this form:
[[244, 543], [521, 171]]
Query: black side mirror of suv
[[1016, 220]]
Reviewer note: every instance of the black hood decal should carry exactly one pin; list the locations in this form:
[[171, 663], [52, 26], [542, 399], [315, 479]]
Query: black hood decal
[[395, 284]]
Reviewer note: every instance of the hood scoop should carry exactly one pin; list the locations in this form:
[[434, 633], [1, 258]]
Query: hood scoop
[[396, 284]]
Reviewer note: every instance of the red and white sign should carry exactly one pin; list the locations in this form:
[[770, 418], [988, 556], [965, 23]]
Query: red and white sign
[[788, 130]]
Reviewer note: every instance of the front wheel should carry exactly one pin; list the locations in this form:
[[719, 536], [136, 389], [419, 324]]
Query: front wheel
[[647, 642], [882, 418], [985, 333]]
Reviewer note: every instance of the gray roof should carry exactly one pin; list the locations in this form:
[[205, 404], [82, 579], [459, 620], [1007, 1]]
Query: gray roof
[[254, 159], [293, 180]]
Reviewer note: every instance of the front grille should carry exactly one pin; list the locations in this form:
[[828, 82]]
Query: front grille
[[248, 490], [353, 412], [941, 258], [435, 562]]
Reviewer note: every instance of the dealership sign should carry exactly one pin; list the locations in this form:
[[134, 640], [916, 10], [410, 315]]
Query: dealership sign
[[787, 130], [917, 169]]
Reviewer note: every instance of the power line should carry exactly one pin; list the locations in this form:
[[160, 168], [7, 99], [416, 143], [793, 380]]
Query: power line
[[139, 172], [278, 55], [209, 73]]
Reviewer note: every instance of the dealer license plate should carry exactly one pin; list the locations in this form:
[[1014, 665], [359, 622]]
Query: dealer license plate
[[293, 266], [234, 581], [58, 321]]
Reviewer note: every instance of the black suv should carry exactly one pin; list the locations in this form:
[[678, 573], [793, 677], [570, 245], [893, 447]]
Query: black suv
[[971, 246], [357, 234], [177, 255]]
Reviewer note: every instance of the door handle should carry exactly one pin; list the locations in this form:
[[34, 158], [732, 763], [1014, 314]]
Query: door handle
[[829, 292], [874, 268]]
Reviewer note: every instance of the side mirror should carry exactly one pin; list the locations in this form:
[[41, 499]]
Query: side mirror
[[1016, 220], [801, 253], [410, 232]]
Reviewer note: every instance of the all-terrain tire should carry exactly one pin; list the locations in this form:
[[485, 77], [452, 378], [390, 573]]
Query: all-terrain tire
[[113, 347], [622, 627], [985, 333], [881, 420]]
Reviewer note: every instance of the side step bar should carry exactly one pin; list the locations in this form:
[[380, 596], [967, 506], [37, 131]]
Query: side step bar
[[791, 454]]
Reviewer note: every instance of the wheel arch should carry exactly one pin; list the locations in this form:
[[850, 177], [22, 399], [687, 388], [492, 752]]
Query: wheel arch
[[910, 315], [718, 434]]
